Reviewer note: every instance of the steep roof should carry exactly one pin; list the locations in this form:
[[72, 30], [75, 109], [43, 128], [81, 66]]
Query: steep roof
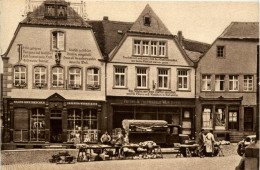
[[241, 30], [109, 33], [156, 25], [37, 18]]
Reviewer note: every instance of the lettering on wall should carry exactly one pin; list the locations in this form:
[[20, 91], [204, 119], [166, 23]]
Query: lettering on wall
[[72, 56], [149, 60], [153, 93]]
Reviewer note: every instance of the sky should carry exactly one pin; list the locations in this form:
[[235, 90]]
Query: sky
[[200, 21]]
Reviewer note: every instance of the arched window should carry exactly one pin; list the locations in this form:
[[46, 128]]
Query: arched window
[[40, 79], [57, 77], [75, 77], [20, 76]]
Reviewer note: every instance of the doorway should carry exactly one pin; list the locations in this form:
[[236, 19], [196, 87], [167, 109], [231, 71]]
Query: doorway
[[56, 131], [248, 118], [233, 120]]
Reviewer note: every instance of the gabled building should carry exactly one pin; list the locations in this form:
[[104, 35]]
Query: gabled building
[[149, 75], [226, 83], [53, 80]]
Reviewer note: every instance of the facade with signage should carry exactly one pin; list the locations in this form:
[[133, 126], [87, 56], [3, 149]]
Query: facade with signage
[[53, 80], [227, 83], [149, 75]]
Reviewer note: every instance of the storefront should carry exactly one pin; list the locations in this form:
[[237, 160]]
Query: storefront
[[174, 111], [54, 120]]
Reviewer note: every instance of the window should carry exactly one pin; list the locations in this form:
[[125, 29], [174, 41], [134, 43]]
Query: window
[[206, 82], [58, 40], [75, 78], [137, 47], [93, 78], [120, 76], [147, 20], [248, 83], [220, 51], [57, 77], [162, 48], [61, 11], [154, 48], [20, 76], [38, 124], [207, 120], [145, 47], [219, 82], [55, 10], [141, 77], [220, 119], [233, 83], [40, 79], [163, 78], [49, 10], [182, 79]]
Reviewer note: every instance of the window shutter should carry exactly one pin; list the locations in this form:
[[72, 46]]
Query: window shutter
[[61, 41]]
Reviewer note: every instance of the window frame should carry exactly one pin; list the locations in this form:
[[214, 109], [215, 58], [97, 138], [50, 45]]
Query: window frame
[[75, 86], [20, 85], [220, 80], [211, 120], [223, 51], [51, 40], [233, 80], [182, 76], [206, 82], [135, 47], [93, 86], [63, 77], [147, 77], [42, 85], [125, 75], [163, 75], [247, 83]]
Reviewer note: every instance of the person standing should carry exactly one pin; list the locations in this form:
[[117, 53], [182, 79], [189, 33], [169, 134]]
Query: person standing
[[201, 140], [105, 138], [209, 143]]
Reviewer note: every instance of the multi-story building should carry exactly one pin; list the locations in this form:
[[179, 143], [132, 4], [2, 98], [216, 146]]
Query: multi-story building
[[53, 79], [226, 83], [148, 75]]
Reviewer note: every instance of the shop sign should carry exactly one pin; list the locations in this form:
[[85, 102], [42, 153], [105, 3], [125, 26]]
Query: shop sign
[[151, 102], [35, 54], [82, 103], [151, 93], [78, 56], [28, 102], [149, 60]]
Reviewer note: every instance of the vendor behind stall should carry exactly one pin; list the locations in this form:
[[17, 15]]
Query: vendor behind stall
[[105, 138], [120, 138]]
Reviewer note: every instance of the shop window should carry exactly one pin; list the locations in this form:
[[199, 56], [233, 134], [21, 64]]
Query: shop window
[[233, 83], [153, 48], [40, 79], [219, 82], [163, 78], [183, 80], [142, 78], [58, 40], [206, 82], [57, 77], [74, 78], [74, 124], [120, 77], [93, 78], [20, 76], [248, 83], [21, 125], [90, 132], [162, 48], [220, 119], [137, 47], [145, 47], [207, 119], [220, 51], [37, 124]]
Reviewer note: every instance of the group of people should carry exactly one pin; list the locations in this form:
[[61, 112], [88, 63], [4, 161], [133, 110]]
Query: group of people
[[206, 143], [106, 139]]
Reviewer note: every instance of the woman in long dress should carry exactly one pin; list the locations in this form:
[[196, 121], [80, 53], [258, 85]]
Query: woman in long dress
[[209, 142]]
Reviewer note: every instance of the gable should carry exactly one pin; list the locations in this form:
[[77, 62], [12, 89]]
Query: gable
[[155, 26]]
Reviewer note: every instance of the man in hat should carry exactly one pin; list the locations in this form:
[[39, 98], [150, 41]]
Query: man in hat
[[201, 140]]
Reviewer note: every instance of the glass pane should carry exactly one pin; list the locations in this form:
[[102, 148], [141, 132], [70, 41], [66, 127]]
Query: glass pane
[[144, 81], [117, 80], [139, 81]]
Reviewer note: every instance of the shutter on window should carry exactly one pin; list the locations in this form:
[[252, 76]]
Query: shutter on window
[[61, 41]]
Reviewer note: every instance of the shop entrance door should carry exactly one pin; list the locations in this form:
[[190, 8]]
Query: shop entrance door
[[233, 120], [56, 126], [248, 119]]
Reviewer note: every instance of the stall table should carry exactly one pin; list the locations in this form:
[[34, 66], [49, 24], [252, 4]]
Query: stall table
[[188, 150]]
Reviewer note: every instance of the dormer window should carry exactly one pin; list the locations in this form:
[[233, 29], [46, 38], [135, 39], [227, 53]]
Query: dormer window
[[55, 9], [147, 20]]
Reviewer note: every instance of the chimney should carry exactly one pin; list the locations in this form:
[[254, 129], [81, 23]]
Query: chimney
[[105, 18], [180, 37]]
